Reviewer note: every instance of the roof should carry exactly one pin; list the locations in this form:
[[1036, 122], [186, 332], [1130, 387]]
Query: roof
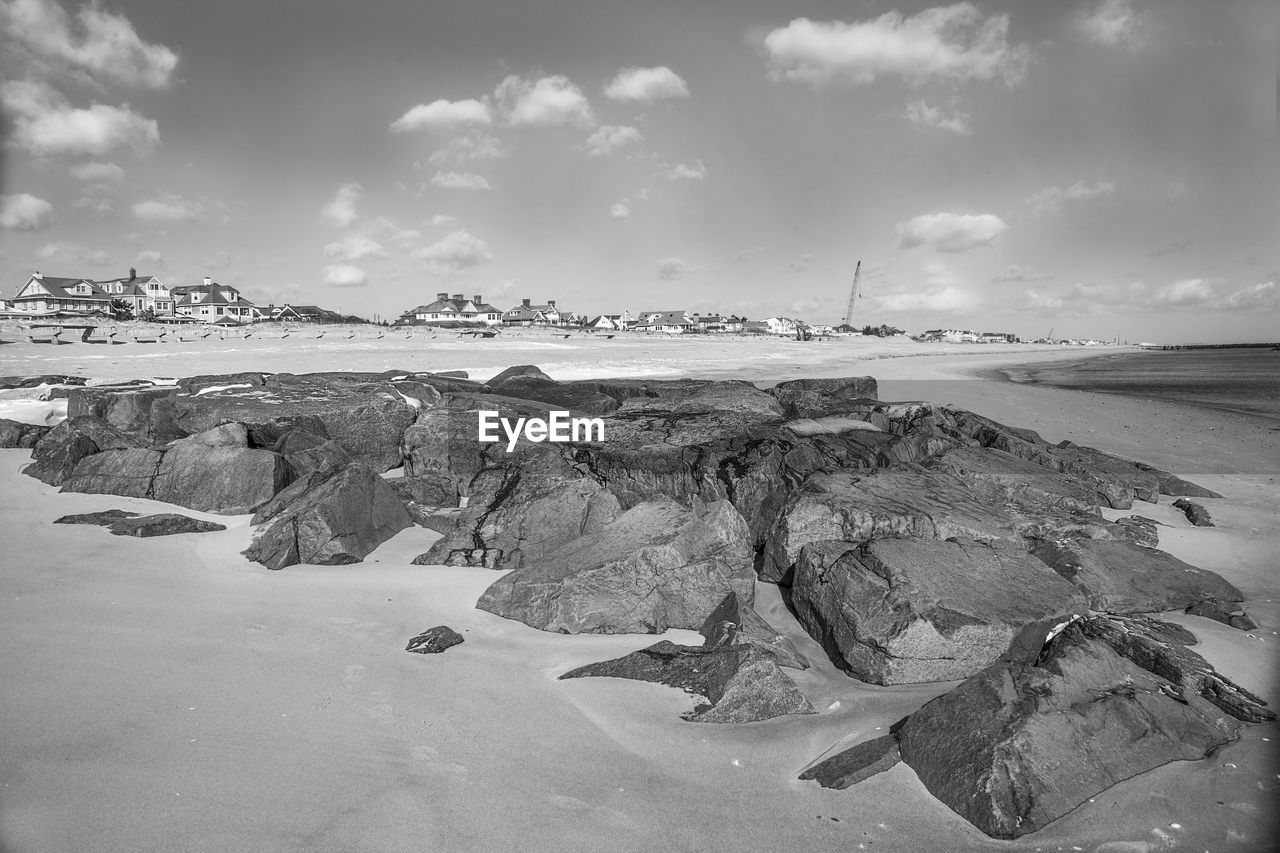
[[533, 309], [664, 318], [455, 306], [57, 287]]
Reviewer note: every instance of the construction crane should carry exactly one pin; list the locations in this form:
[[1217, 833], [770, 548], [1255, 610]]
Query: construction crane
[[853, 293]]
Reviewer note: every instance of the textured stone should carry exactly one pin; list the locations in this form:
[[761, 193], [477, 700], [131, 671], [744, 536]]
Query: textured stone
[[18, 434], [103, 519], [57, 454], [855, 764], [162, 524], [435, 640], [1227, 614], [736, 623], [808, 398], [1195, 513]]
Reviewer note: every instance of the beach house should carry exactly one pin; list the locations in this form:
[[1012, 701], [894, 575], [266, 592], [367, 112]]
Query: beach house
[[211, 301], [143, 293], [45, 294], [665, 321], [528, 314], [453, 308]]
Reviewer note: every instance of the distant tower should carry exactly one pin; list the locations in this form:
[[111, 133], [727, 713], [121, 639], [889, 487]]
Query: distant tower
[[853, 293]]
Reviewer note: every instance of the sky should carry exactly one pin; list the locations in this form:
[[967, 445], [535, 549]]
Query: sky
[[1094, 168]]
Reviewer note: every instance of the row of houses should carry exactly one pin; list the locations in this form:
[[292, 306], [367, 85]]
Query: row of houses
[[147, 295], [967, 336]]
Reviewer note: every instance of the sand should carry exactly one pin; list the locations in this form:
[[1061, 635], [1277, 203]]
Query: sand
[[165, 694]]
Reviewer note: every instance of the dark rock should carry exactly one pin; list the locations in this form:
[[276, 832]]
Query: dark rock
[[337, 519], [902, 611], [736, 623], [853, 765], [574, 398], [305, 453], [898, 501], [128, 472], [452, 374], [429, 489], [1228, 614], [18, 434], [57, 454], [657, 566], [807, 398], [1119, 481], [1124, 578], [1142, 530], [480, 558], [1016, 481], [226, 478], [742, 684], [435, 640], [145, 412], [197, 384], [526, 371], [1016, 746], [1195, 513], [102, 519], [163, 524], [10, 382]]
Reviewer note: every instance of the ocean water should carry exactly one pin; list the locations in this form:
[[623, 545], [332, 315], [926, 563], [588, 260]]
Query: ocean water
[[1243, 380]]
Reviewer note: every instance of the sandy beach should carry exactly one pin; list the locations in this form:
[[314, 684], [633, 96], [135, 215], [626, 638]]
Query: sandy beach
[[167, 694]]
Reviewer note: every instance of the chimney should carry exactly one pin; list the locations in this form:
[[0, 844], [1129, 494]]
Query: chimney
[[442, 296], [132, 273], [551, 303], [477, 299], [457, 297], [40, 277], [207, 281], [524, 303]]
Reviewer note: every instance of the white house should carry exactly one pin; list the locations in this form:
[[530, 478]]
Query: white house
[[454, 308], [665, 321], [211, 301]]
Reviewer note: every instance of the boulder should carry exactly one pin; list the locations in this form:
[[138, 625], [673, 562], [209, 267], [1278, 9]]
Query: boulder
[[575, 398], [1125, 578], [901, 500], [742, 684], [1118, 481], [435, 640], [102, 519], [8, 383], [855, 764], [658, 565], [1142, 530], [1171, 485], [205, 381], [214, 471], [128, 472], [525, 371], [162, 524], [903, 611], [57, 454], [304, 452], [18, 434], [427, 489], [736, 623], [340, 518], [1227, 614], [1018, 745], [1017, 482], [145, 412], [807, 398], [1195, 513]]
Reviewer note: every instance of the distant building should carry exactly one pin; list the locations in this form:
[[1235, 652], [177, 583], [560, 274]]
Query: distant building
[[664, 321], [212, 301], [781, 326], [43, 294], [455, 308], [142, 292], [298, 314], [528, 314]]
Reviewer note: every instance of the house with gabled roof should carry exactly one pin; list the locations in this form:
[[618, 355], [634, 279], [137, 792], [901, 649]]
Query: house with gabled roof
[[142, 292], [211, 301], [664, 321], [45, 294], [528, 314], [454, 308]]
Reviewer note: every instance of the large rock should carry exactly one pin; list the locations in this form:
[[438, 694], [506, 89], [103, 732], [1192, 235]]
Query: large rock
[[163, 524], [807, 398], [145, 412], [855, 764], [338, 520], [1016, 481], [435, 640], [129, 472], [1195, 513], [10, 382], [570, 397], [902, 611], [57, 454], [742, 684], [18, 434], [736, 623], [1125, 578], [659, 565], [898, 501]]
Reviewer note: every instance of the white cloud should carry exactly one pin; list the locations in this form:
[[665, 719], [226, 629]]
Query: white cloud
[[683, 171], [646, 84], [620, 210], [1051, 199], [45, 124], [670, 269], [98, 46], [150, 258], [947, 43], [1113, 23], [476, 146], [919, 112], [25, 212], [460, 181], [1263, 296], [443, 115], [950, 232], [454, 254], [609, 137], [1186, 293], [341, 210], [98, 172], [1017, 273], [949, 299], [353, 248], [342, 275], [73, 253], [546, 101], [442, 219], [100, 207], [168, 208]]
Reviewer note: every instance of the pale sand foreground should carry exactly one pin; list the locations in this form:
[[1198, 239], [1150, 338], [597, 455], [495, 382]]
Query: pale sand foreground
[[165, 694]]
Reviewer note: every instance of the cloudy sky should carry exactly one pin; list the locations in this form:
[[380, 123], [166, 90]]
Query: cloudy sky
[[1098, 168]]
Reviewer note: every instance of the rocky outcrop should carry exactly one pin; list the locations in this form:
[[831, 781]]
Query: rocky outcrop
[[1125, 578], [128, 472], [1142, 530], [742, 684], [18, 434], [736, 623], [807, 398], [162, 524], [8, 383], [336, 519], [1227, 614], [1195, 513], [57, 454], [143, 411], [435, 640], [102, 519], [1015, 481], [902, 611], [1018, 745], [659, 565]]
